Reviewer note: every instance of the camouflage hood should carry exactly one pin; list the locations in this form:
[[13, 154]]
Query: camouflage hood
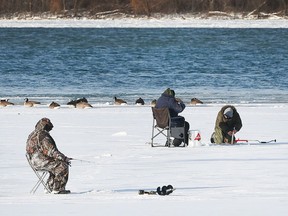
[[44, 124]]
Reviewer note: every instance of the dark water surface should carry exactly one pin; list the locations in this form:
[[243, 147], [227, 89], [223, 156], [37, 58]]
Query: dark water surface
[[214, 65]]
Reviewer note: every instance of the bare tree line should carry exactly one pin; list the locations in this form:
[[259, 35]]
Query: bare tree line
[[59, 5], [143, 7], [200, 6]]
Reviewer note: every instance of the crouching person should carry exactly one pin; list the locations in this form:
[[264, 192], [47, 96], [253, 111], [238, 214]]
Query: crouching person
[[44, 155], [228, 123]]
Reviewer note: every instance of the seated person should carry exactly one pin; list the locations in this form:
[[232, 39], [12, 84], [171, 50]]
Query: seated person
[[44, 155], [175, 106]]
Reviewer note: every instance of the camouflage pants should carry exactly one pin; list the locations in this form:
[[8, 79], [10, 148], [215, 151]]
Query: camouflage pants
[[58, 173], [220, 137]]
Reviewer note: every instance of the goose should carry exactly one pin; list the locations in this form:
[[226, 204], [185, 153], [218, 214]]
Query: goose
[[139, 101], [196, 101], [5, 102], [74, 102], [29, 103], [119, 101], [82, 105], [153, 103], [54, 105]]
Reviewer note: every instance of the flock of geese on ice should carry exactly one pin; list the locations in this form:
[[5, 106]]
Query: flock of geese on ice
[[82, 103]]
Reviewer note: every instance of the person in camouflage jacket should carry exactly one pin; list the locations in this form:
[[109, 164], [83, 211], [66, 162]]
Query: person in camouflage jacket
[[228, 123], [44, 155]]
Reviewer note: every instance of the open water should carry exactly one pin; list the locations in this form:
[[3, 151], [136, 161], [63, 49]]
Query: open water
[[215, 65]]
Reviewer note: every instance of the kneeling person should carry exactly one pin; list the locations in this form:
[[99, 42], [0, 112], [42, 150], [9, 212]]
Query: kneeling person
[[228, 123]]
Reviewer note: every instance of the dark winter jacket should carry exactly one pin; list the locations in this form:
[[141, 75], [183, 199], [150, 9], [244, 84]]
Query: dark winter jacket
[[168, 100], [227, 125]]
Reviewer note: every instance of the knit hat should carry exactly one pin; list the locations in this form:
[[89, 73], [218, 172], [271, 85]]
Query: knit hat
[[169, 91], [228, 112]]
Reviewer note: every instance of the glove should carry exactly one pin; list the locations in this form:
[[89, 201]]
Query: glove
[[230, 133], [68, 161]]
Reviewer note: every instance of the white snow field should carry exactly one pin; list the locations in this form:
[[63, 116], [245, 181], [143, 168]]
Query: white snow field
[[113, 142]]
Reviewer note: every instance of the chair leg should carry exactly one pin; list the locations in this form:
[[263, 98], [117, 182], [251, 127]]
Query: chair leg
[[160, 131], [168, 138], [152, 139], [40, 181], [40, 178]]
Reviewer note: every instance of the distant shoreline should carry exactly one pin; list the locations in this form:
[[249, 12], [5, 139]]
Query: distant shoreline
[[211, 19], [145, 22], [118, 15]]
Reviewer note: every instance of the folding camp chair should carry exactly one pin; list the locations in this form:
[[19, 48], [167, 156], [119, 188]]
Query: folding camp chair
[[162, 125], [41, 174]]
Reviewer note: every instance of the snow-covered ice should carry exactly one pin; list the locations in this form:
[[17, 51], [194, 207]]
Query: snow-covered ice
[[176, 22], [113, 142]]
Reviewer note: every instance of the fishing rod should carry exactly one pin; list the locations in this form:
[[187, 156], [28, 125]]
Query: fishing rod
[[246, 140], [83, 161], [232, 138]]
